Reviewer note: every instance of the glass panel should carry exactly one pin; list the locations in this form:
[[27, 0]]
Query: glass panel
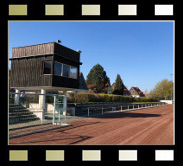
[[47, 67], [59, 115], [73, 72], [66, 70], [57, 68]]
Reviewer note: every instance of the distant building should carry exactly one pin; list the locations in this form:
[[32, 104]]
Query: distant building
[[146, 95], [136, 92], [126, 92]]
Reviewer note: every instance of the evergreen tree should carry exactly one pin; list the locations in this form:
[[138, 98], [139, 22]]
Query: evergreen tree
[[97, 79], [119, 86]]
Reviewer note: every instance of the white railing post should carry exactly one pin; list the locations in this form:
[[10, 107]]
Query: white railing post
[[54, 109], [88, 112], [138, 106], [133, 106], [121, 108]]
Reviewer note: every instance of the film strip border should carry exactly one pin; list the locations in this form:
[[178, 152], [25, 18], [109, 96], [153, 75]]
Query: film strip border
[[90, 10], [90, 155]]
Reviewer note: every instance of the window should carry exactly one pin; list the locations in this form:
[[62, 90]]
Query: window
[[47, 67], [73, 72], [66, 70], [57, 68]]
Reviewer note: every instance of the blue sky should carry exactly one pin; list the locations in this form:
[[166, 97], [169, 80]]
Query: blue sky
[[141, 52]]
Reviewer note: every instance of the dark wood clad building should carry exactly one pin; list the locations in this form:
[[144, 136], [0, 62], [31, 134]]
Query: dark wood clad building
[[45, 66]]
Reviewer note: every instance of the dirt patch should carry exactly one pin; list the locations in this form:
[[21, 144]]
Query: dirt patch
[[152, 126]]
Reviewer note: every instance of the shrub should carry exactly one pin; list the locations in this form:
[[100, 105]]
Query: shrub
[[81, 97], [71, 97], [94, 97], [91, 97], [107, 98]]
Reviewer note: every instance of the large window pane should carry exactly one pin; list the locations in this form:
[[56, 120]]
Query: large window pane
[[66, 70], [57, 68], [73, 73], [47, 67]]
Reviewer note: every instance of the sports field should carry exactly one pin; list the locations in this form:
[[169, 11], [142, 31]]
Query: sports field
[[151, 126]]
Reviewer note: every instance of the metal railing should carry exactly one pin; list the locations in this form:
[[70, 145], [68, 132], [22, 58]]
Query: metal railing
[[126, 107], [27, 113], [27, 116]]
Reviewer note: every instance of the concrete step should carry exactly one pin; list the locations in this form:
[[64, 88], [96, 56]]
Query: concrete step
[[15, 120], [18, 110], [19, 114]]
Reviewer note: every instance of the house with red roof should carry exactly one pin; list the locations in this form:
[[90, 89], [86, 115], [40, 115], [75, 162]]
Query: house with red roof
[[126, 92], [136, 92]]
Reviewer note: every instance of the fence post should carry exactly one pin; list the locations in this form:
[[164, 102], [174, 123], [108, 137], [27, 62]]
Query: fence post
[[88, 112], [133, 106], [121, 108], [54, 109], [138, 106], [128, 107], [102, 111]]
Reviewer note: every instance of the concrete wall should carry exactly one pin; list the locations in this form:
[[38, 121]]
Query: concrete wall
[[48, 107], [167, 101]]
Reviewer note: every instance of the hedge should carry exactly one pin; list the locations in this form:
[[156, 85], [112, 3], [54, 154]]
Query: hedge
[[95, 97]]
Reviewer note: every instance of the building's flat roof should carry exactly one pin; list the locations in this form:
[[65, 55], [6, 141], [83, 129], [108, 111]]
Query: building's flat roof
[[51, 48]]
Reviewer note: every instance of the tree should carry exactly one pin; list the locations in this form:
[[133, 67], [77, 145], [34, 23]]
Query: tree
[[119, 86], [146, 91], [152, 93], [97, 79], [164, 89]]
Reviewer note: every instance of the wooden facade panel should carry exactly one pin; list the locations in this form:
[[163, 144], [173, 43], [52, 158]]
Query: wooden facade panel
[[66, 52], [59, 81], [65, 61], [40, 49], [28, 72], [26, 65]]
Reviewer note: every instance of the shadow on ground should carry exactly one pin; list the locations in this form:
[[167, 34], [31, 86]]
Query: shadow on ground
[[127, 114]]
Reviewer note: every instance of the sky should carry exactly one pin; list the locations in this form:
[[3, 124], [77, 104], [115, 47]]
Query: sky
[[141, 52]]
